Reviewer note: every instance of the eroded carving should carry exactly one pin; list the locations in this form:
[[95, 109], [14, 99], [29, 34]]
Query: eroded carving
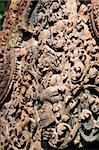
[[55, 99]]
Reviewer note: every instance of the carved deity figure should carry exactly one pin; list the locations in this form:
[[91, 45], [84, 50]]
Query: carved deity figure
[[49, 75]]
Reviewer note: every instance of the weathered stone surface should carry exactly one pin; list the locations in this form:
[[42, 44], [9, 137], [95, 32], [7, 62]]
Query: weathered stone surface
[[54, 100]]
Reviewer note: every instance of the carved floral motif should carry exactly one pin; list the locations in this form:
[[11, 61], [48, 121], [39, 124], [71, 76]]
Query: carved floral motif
[[54, 102]]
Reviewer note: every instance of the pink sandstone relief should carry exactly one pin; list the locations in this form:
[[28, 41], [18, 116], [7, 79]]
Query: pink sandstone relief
[[49, 75]]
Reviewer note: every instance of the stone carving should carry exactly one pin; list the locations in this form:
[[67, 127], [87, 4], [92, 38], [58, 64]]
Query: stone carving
[[95, 17], [54, 100]]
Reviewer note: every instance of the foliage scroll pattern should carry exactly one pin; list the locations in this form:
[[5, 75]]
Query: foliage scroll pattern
[[54, 102]]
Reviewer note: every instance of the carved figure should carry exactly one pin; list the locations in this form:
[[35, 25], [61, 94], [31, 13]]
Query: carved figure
[[49, 75]]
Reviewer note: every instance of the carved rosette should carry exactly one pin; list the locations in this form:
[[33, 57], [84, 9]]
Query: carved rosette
[[55, 99]]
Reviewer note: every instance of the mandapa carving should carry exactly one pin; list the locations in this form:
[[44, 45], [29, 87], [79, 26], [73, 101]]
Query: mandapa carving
[[54, 103]]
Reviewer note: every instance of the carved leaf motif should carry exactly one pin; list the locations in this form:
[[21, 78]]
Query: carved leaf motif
[[52, 92]]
